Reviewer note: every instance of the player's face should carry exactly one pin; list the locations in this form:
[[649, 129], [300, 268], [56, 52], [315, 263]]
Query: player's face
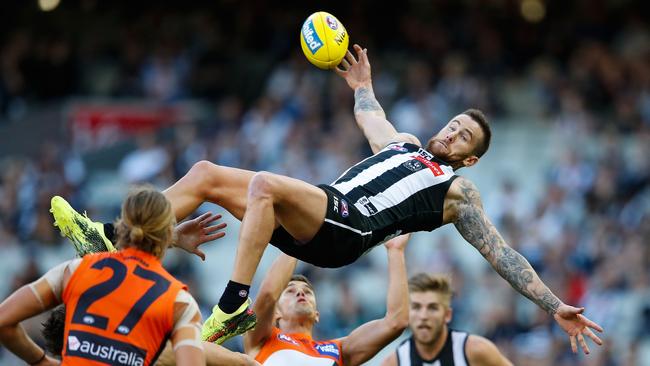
[[298, 300], [457, 141], [428, 316]]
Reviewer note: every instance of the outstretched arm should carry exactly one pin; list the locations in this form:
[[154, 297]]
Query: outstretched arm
[[368, 339], [274, 283], [26, 302], [476, 228], [368, 113]]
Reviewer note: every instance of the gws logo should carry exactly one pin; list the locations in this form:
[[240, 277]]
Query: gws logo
[[104, 350], [328, 349], [311, 38]]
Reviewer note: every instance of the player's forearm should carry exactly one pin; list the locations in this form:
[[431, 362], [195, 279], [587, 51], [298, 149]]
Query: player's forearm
[[14, 338], [397, 305], [515, 269], [366, 104], [278, 277]]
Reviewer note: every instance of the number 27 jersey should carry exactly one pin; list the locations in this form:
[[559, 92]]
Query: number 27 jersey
[[119, 309]]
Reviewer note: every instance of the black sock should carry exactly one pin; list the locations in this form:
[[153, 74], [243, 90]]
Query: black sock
[[233, 297], [109, 231]]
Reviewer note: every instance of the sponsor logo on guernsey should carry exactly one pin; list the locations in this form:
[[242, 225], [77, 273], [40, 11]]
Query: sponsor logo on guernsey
[[398, 148], [344, 209], [331, 22], [425, 154], [311, 37], [336, 204], [413, 165], [286, 338], [328, 349], [435, 168], [105, 350]]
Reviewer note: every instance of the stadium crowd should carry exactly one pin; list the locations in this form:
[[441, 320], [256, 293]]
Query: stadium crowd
[[582, 74]]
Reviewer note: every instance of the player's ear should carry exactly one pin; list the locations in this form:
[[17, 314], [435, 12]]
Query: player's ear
[[317, 316], [470, 160], [448, 314]]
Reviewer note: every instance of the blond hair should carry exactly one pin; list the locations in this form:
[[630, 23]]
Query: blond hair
[[423, 282], [146, 222]]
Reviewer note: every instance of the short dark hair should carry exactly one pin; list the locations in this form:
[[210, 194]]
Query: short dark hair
[[54, 331], [479, 117], [301, 278]]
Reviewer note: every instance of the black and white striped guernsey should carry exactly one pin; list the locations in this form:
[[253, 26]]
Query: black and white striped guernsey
[[451, 354], [400, 189]]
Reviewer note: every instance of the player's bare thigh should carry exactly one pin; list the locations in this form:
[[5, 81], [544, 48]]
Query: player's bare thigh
[[299, 206], [206, 181]]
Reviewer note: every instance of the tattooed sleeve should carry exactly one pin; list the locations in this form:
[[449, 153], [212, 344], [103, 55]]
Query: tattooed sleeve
[[365, 101], [477, 229]]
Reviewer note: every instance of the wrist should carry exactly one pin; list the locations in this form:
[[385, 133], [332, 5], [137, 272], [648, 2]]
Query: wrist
[[364, 85], [39, 360]]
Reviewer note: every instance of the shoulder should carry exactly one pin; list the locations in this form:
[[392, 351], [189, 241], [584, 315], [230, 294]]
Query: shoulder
[[407, 137], [464, 190], [461, 196], [481, 351]]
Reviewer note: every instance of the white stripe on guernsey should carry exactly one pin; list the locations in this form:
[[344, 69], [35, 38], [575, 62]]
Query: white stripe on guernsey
[[458, 347], [370, 157], [362, 233], [404, 354], [403, 189], [374, 171]]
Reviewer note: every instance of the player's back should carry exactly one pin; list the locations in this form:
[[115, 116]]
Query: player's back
[[120, 309]]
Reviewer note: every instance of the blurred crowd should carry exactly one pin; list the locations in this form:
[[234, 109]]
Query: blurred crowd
[[582, 73]]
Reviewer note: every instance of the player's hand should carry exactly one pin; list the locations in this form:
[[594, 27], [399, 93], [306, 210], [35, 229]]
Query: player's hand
[[398, 243], [355, 71], [192, 233], [577, 326]]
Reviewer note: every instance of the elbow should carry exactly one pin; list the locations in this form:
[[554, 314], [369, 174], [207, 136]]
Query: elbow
[[398, 322], [266, 297]]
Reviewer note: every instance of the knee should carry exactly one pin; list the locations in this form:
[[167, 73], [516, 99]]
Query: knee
[[205, 174], [261, 186]]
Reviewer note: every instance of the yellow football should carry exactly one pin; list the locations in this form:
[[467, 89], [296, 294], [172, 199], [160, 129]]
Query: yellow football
[[324, 40]]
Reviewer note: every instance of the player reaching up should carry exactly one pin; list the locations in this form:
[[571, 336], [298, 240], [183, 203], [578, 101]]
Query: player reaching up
[[403, 188]]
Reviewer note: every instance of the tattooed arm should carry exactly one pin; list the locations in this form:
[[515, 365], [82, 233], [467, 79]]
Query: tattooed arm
[[367, 111], [466, 211], [476, 228]]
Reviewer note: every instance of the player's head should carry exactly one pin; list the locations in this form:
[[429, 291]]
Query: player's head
[[298, 301], [430, 308], [147, 222], [463, 140], [53, 330]]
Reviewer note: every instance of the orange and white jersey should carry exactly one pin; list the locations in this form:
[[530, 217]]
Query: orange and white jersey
[[119, 309], [282, 349]]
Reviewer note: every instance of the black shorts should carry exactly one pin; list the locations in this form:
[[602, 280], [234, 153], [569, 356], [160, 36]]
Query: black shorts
[[343, 237]]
